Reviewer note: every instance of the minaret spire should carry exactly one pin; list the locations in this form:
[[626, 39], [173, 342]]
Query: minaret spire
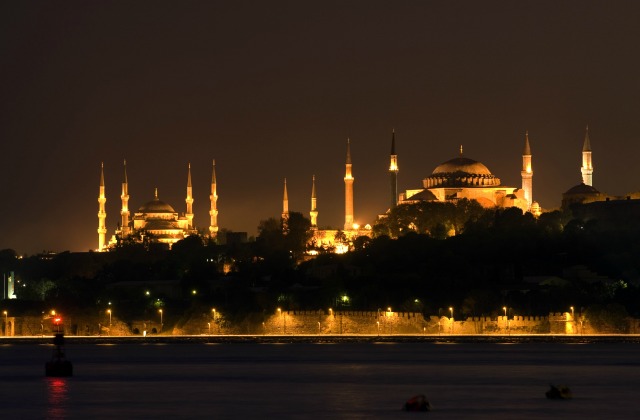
[[348, 191], [124, 211], [527, 171], [587, 164], [102, 214], [213, 227], [393, 171], [189, 199], [314, 210], [285, 209]]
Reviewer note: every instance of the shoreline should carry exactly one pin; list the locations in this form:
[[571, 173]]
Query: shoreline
[[330, 339]]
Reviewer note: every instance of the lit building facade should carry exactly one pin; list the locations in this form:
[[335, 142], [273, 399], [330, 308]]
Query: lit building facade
[[154, 221]]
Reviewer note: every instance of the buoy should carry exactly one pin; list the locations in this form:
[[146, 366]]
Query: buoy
[[417, 403], [58, 365], [560, 392]]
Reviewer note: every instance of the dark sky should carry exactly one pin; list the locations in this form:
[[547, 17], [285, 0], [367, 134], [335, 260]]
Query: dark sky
[[273, 89]]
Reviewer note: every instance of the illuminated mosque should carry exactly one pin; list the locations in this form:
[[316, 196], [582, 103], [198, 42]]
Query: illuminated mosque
[[456, 179], [155, 221], [461, 177]]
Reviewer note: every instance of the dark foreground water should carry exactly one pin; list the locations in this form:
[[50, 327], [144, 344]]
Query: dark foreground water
[[305, 380]]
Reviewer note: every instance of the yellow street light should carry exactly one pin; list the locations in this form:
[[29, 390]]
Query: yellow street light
[[160, 312], [505, 311]]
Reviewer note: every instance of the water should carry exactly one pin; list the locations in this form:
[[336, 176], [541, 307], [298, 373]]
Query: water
[[302, 381]]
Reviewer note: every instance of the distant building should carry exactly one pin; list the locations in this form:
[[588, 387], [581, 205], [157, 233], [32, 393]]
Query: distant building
[[462, 177], [154, 222]]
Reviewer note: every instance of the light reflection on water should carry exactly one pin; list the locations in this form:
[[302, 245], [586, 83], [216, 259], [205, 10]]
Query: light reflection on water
[[57, 397], [332, 380]]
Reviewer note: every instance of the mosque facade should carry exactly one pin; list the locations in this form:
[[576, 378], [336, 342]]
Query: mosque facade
[[455, 179], [465, 178], [155, 221]]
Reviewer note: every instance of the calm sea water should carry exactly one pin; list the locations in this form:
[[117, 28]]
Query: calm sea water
[[302, 381]]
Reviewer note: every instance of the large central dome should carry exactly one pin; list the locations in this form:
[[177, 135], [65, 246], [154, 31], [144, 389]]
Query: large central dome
[[461, 172], [462, 164], [156, 206]]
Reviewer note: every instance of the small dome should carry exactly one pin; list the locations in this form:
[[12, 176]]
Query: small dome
[[582, 189], [462, 164]]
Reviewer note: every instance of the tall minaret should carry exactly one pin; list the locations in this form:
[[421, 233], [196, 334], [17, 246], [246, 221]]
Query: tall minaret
[[285, 202], [102, 214], [285, 209], [213, 227], [348, 191], [393, 170], [587, 167], [314, 209], [124, 212], [527, 171], [189, 199]]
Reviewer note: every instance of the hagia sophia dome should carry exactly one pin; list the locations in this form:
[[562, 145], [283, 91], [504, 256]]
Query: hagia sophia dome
[[461, 172]]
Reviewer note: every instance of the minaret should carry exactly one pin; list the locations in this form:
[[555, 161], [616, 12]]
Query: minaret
[[102, 214], [587, 167], [213, 227], [285, 202], [285, 209], [527, 172], [189, 199], [348, 191], [124, 212], [393, 171], [314, 210]]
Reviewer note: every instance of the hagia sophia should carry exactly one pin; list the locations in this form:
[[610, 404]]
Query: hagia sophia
[[455, 179]]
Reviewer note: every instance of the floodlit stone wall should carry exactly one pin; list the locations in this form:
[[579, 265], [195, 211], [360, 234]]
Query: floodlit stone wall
[[318, 322]]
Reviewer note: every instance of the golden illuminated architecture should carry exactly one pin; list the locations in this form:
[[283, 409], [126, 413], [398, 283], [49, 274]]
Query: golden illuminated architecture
[[393, 170], [587, 166], [213, 213], [462, 177], [155, 221], [527, 171], [313, 214], [102, 213], [348, 191]]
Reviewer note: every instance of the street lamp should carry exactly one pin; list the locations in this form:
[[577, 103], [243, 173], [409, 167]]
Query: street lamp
[[161, 323], [109, 312], [451, 310], [504, 308], [209, 325], [6, 325]]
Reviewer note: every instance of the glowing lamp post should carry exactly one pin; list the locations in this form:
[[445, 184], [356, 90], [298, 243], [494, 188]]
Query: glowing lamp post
[[161, 321], [6, 324], [451, 310], [209, 325], [284, 327], [109, 312]]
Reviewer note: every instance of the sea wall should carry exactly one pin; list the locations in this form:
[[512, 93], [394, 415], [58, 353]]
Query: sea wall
[[311, 323]]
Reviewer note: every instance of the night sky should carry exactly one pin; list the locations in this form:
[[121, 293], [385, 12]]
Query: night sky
[[272, 89]]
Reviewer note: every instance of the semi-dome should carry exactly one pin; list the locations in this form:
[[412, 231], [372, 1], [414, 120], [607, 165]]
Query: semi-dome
[[461, 172]]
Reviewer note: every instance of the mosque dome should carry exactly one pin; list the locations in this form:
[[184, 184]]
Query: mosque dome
[[461, 172], [462, 164], [156, 206], [582, 189]]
